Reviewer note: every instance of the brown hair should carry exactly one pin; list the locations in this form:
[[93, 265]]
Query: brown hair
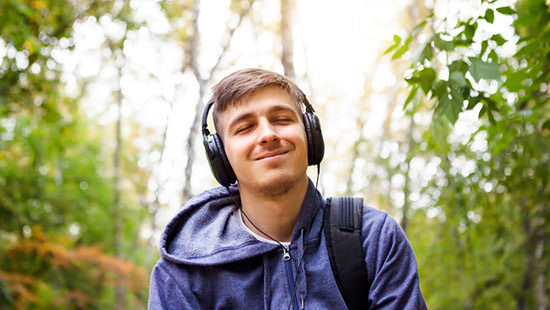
[[235, 87]]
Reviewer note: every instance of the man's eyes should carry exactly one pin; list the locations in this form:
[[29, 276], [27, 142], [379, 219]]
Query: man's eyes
[[243, 128], [283, 120]]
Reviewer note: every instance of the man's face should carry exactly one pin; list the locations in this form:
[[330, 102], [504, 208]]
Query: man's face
[[265, 141]]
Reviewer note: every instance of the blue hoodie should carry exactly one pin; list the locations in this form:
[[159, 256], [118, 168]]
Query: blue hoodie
[[210, 261]]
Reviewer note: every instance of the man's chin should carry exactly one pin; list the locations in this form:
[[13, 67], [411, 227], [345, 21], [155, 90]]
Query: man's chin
[[275, 188], [277, 185]]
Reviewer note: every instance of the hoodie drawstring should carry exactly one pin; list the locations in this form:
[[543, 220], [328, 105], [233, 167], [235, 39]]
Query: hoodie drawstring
[[302, 283]]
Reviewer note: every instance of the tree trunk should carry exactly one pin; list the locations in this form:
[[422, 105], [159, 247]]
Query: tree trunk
[[529, 264], [154, 206], [406, 186], [415, 19], [187, 190], [194, 42], [287, 57], [360, 121], [116, 186], [540, 282], [387, 135], [542, 299]]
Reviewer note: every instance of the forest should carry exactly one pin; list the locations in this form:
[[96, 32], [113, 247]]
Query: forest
[[436, 111]]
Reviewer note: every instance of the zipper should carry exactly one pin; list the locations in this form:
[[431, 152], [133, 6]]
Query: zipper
[[286, 254], [290, 276]]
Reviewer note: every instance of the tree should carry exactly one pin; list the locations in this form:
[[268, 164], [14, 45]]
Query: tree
[[492, 188], [287, 38], [52, 180]]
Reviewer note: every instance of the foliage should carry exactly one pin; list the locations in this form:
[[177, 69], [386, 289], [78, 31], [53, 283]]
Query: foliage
[[49, 274], [56, 222], [489, 236], [471, 51], [481, 236]]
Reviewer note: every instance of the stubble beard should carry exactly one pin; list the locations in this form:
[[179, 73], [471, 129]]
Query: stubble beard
[[276, 189], [279, 187]]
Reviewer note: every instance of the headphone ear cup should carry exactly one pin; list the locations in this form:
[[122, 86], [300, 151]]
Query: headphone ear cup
[[315, 142], [219, 164]]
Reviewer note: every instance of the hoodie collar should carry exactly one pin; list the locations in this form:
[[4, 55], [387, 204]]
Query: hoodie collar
[[205, 233], [309, 210]]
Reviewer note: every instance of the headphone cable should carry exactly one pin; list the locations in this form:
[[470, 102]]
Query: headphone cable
[[286, 250]]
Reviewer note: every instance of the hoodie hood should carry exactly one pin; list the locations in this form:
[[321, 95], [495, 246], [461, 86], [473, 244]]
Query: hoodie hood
[[245, 273], [218, 238]]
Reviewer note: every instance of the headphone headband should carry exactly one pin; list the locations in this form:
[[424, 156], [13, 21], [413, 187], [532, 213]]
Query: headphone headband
[[305, 102], [205, 131]]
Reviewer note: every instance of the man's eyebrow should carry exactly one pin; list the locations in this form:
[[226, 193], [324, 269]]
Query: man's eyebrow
[[239, 118], [278, 108]]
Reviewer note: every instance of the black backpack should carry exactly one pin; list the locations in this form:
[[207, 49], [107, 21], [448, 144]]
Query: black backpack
[[342, 223]]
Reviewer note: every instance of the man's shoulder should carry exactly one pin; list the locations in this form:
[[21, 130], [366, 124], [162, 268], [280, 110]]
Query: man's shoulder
[[373, 217], [374, 214], [379, 224]]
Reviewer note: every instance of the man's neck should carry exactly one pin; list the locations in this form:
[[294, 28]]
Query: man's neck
[[275, 216]]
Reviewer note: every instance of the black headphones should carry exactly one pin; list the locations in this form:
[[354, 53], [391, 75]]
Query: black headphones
[[219, 164]]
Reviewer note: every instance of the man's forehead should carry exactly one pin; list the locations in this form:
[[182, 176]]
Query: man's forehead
[[248, 103], [248, 110]]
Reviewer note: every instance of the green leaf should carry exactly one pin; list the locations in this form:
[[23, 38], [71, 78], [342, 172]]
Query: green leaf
[[481, 112], [427, 53], [506, 10], [492, 104], [427, 77], [470, 30], [418, 28], [498, 39], [483, 70], [514, 79], [491, 117], [459, 65], [546, 125], [439, 88], [5, 296], [456, 79], [484, 46], [472, 102], [458, 99], [22, 7], [442, 44], [410, 96], [493, 56], [489, 16], [447, 108], [400, 51], [413, 79], [529, 48], [396, 40]]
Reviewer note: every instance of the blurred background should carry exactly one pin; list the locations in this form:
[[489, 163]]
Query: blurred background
[[433, 110]]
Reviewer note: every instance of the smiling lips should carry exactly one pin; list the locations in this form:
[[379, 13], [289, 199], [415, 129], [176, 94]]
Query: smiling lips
[[269, 155]]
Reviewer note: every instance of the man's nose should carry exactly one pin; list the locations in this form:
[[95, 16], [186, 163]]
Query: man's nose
[[268, 133]]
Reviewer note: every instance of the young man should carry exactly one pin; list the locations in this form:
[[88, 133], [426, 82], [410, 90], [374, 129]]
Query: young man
[[259, 243]]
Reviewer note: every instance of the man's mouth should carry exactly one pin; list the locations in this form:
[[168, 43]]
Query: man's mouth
[[271, 155]]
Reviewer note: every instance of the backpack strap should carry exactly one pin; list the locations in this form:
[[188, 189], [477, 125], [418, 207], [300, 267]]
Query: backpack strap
[[342, 222]]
